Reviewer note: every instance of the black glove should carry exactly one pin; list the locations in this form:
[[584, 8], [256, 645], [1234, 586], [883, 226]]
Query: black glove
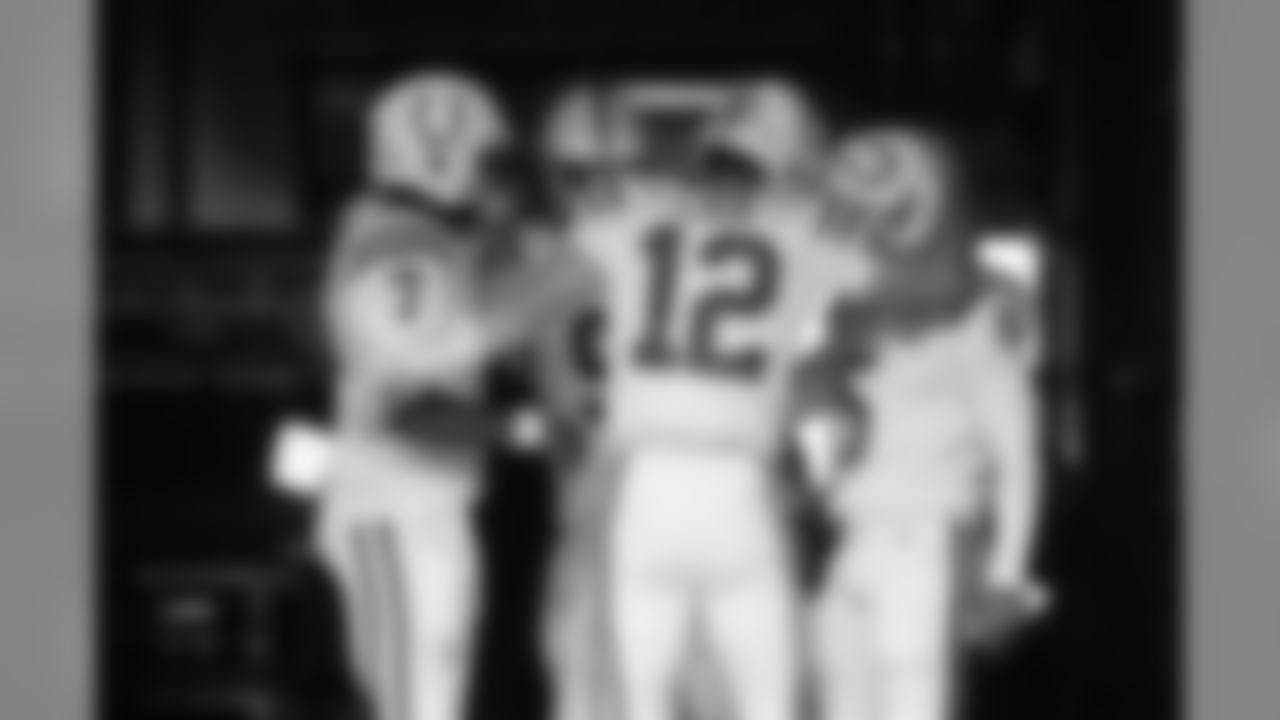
[[990, 618], [815, 535]]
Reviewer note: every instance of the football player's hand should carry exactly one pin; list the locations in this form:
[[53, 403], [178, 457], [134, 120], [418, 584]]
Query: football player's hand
[[1033, 597], [817, 535], [995, 613]]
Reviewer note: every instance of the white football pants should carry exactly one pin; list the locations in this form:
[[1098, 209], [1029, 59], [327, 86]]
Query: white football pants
[[882, 621], [398, 537], [575, 635], [697, 551]]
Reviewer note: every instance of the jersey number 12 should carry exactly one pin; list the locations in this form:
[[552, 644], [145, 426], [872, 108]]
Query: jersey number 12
[[698, 349]]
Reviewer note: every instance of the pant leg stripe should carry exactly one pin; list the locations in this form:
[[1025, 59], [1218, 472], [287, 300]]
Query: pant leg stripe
[[398, 639], [360, 614], [374, 631]]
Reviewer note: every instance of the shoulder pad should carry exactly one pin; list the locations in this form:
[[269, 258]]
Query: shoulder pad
[[372, 230]]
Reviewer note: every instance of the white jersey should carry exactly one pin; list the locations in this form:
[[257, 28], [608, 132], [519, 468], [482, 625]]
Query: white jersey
[[399, 293], [938, 412], [703, 305]]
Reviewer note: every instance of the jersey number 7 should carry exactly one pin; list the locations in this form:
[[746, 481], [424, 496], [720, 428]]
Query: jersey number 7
[[410, 288], [698, 349]]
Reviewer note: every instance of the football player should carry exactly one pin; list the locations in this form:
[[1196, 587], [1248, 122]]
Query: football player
[[582, 154], [940, 364], [415, 302], [592, 137], [708, 260]]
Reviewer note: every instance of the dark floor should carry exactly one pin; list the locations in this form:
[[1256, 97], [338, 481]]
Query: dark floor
[[1106, 653]]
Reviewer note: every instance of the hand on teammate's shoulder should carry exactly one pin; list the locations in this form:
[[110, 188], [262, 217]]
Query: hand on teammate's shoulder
[[991, 616]]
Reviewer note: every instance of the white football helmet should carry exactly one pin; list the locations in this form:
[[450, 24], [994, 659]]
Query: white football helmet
[[772, 124], [900, 177], [584, 131], [668, 117], [434, 132]]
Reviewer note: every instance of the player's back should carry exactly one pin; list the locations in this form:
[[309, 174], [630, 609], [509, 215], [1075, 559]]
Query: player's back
[[705, 299], [927, 436]]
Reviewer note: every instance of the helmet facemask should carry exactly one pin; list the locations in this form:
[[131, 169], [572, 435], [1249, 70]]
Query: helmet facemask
[[584, 144], [439, 135]]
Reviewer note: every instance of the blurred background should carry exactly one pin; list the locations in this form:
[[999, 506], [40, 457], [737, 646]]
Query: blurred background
[[229, 130]]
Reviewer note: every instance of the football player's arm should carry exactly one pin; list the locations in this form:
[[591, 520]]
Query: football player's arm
[[1004, 376], [566, 393], [840, 263], [582, 368], [519, 304], [818, 421]]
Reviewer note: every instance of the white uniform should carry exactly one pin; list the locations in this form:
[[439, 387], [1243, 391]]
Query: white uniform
[[395, 521], [702, 304], [948, 417]]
